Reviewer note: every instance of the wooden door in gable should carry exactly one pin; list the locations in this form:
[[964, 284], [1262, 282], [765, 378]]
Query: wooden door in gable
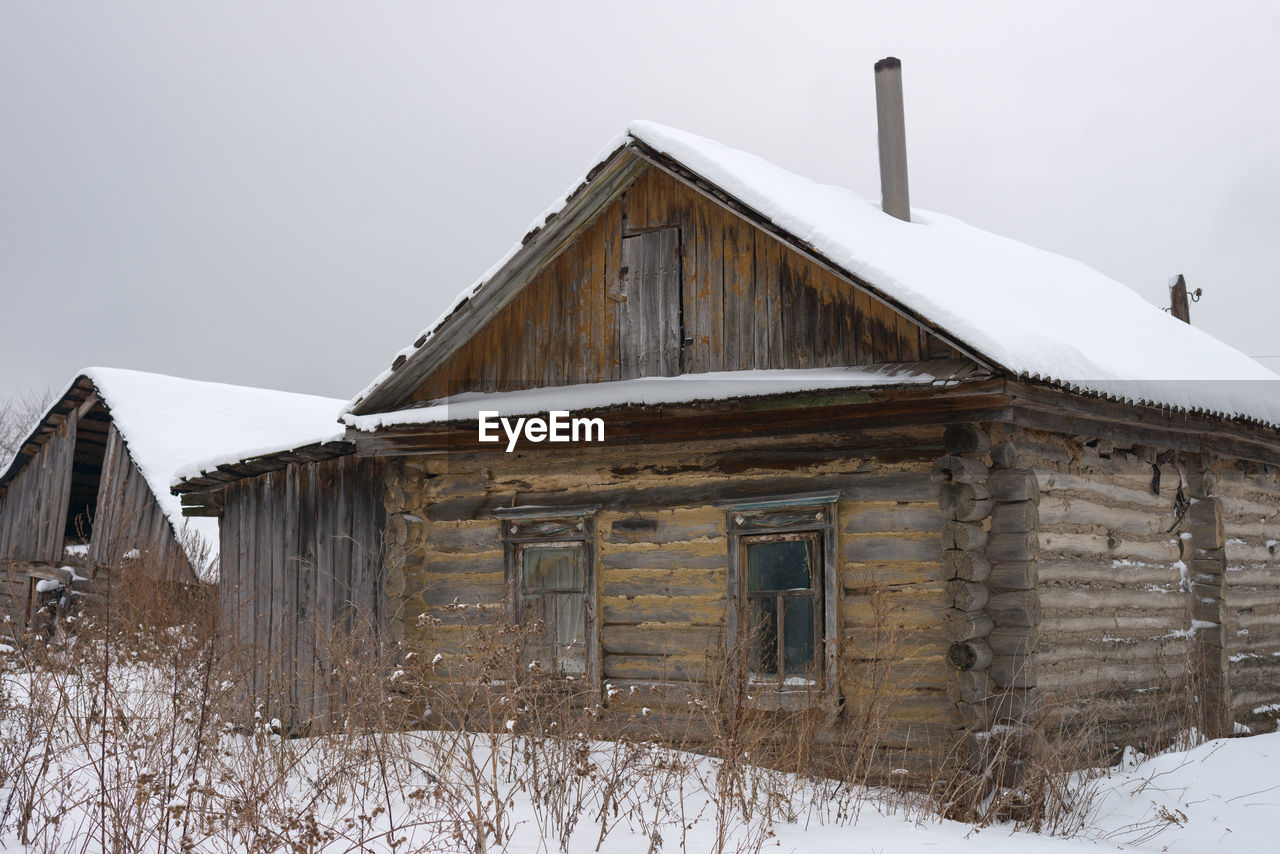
[[649, 299]]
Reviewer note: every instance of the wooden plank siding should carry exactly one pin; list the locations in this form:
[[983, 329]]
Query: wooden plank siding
[[747, 302], [129, 517], [662, 562], [302, 579], [33, 512]]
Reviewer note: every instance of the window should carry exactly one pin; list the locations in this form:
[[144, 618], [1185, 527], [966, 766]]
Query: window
[[553, 590], [551, 584], [783, 615]]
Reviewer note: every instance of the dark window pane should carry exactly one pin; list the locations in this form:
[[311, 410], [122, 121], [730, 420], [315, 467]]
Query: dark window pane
[[780, 565], [553, 567], [762, 622], [798, 630], [553, 595]]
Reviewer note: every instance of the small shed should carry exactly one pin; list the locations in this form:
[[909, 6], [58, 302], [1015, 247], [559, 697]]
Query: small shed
[[89, 487], [904, 454]]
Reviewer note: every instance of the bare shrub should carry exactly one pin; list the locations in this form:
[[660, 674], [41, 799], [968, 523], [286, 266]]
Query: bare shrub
[[18, 416]]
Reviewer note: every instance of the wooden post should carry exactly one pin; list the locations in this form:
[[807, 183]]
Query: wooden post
[[1208, 590], [1180, 305]]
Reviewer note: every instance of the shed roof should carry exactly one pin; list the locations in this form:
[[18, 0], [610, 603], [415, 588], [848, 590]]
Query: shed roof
[[1024, 311], [167, 422]]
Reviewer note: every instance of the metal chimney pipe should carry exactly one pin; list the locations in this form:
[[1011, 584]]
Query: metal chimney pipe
[[894, 199]]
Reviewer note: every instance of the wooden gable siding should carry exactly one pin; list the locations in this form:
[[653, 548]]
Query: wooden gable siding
[[129, 517], [33, 512], [748, 301]]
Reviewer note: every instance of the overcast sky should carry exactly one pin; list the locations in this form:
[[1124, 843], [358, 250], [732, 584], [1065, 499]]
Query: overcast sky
[[284, 194]]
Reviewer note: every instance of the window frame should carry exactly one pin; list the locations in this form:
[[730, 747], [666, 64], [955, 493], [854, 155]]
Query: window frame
[[773, 519], [551, 527]]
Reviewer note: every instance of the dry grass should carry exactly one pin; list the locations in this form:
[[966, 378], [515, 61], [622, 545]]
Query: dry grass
[[136, 732]]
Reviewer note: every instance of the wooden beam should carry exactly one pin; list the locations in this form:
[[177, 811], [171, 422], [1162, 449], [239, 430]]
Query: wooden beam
[[205, 504], [1041, 407]]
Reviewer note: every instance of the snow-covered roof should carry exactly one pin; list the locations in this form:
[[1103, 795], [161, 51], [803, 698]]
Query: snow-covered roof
[[167, 422], [653, 391], [1032, 313]]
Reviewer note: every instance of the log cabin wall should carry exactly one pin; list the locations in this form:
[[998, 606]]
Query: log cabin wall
[[746, 301], [301, 578], [1250, 507], [662, 559], [1114, 637]]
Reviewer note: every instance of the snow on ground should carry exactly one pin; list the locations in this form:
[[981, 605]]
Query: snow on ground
[[1219, 795]]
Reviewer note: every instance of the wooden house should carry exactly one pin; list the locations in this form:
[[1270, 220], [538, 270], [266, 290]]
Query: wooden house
[[856, 444], [89, 488]]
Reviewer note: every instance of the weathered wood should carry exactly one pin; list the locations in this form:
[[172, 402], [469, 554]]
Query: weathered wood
[[965, 536], [862, 518], [1059, 510], [966, 439], [1112, 545], [561, 305], [1014, 517], [965, 565], [664, 582], [970, 686], [1004, 455], [1013, 671], [954, 469], [1013, 485], [964, 502], [873, 549], [1041, 408], [1016, 608], [660, 639], [709, 556], [301, 570], [663, 528], [969, 655], [649, 334], [206, 504], [966, 625], [1005, 547], [1014, 640], [967, 596], [1014, 575]]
